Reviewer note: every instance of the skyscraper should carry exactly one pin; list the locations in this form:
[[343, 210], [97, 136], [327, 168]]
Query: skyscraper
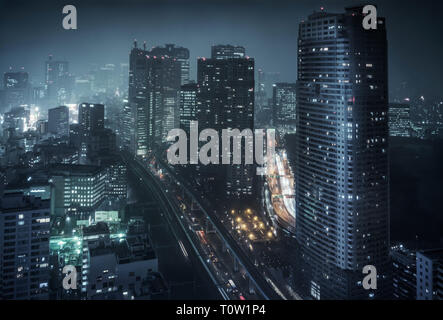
[[58, 121], [138, 100], [154, 84], [341, 170], [58, 81], [180, 54], [284, 107], [24, 247], [17, 89], [404, 276], [226, 101], [224, 52], [188, 105], [91, 117], [261, 100]]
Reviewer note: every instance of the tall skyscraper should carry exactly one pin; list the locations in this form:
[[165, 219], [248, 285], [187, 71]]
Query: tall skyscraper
[[341, 168], [284, 107], [91, 117], [58, 81], [17, 89], [154, 84], [24, 247], [261, 100], [58, 121], [224, 52], [138, 100], [226, 101], [188, 105], [180, 54]]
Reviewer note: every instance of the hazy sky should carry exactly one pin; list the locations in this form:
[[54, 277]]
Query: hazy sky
[[30, 30]]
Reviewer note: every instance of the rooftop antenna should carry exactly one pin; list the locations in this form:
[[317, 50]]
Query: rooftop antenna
[[135, 43], [144, 45]]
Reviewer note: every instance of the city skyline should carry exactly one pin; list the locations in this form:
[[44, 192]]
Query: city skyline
[[99, 202], [248, 23]]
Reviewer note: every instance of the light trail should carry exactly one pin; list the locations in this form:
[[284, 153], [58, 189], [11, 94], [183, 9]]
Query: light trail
[[185, 253]]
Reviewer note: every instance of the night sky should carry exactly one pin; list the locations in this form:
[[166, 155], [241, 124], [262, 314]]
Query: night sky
[[29, 31]]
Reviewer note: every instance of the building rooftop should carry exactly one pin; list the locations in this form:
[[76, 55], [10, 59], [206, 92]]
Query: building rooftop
[[17, 201], [74, 169], [433, 254]]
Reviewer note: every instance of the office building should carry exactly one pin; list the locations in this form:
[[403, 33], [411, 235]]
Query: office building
[[188, 105], [284, 107], [17, 89], [404, 273], [224, 52], [58, 81], [24, 247], [79, 189], [226, 101], [91, 117], [154, 84], [430, 274], [341, 165], [180, 54], [17, 119], [58, 121]]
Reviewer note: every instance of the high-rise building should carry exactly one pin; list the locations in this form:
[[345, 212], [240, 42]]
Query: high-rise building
[[341, 167], [128, 126], [261, 100], [399, 120], [58, 121], [91, 117], [17, 89], [17, 119], [430, 274], [224, 52], [154, 84], [188, 105], [58, 81], [138, 102], [24, 247], [284, 107], [226, 101], [404, 273], [180, 54], [105, 79]]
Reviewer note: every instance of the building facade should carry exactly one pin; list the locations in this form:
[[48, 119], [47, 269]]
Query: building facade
[[430, 274], [24, 247], [58, 121], [341, 168], [154, 85], [284, 107], [226, 101]]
